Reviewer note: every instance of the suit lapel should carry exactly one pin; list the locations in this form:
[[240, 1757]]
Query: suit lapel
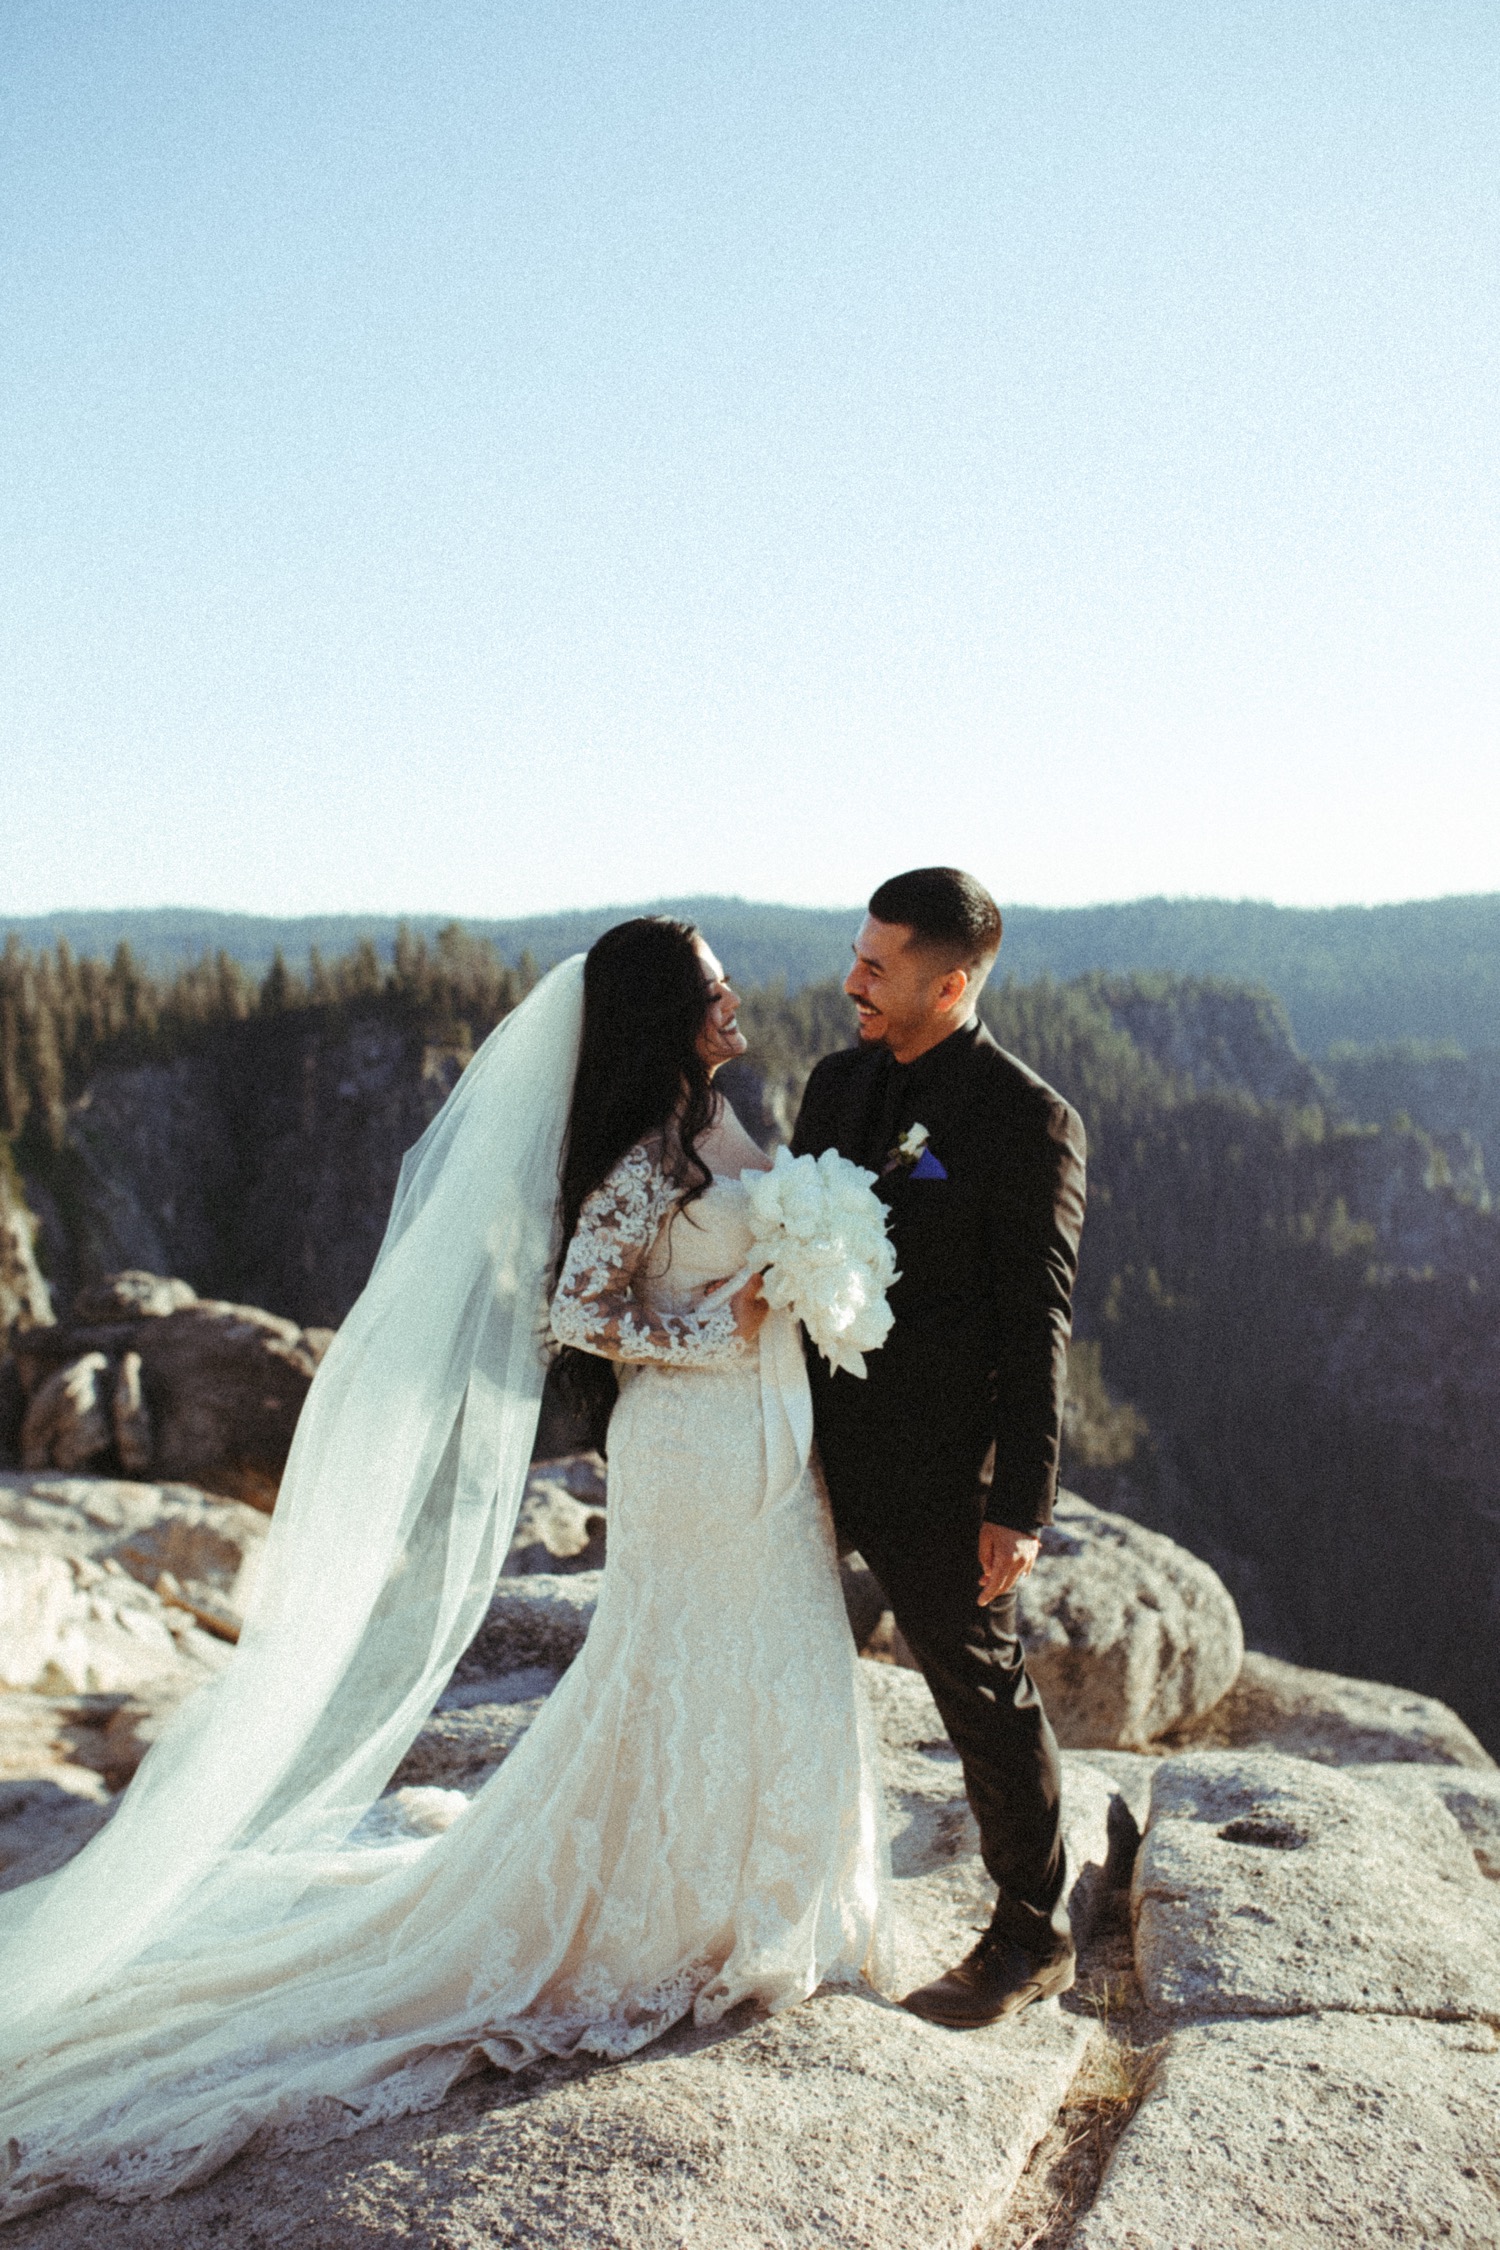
[[860, 1115]]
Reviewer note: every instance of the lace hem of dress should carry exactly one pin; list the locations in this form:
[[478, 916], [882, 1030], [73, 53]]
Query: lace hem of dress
[[30, 2182]]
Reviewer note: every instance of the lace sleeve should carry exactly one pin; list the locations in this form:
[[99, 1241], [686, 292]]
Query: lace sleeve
[[596, 1307]]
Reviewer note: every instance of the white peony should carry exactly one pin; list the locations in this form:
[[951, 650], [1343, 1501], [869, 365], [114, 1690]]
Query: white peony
[[821, 1245]]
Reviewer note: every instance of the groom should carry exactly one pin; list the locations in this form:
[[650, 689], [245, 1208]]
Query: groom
[[942, 1463]]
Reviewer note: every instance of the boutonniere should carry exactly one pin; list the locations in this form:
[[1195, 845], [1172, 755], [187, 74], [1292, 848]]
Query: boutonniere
[[907, 1152]]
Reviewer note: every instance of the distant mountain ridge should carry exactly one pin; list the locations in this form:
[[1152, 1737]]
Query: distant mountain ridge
[[1427, 970]]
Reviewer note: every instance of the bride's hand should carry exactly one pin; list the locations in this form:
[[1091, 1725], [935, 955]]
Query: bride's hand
[[749, 1308]]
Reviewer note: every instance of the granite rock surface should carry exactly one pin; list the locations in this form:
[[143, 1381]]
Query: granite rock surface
[[1321, 1949], [1268, 1885], [1332, 2132], [1331, 1720]]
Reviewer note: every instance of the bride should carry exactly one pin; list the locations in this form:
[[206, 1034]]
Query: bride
[[247, 1953]]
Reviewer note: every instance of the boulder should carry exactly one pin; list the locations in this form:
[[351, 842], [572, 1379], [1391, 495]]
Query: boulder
[[1127, 1635], [473, 1730], [538, 1620], [210, 1548], [1333, 1721], [68, 1419], [1333, 2132], [132, 1295], [225, 1384], [1268, 1885], [560, 1528], [220, 1388], [67, 1626], [130, 1418], [104, 1585]]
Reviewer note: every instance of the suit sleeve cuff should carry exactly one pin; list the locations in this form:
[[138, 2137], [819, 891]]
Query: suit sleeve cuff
[[1017, 1515]]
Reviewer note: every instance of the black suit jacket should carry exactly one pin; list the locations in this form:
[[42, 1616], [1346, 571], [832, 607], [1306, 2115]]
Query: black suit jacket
[[987, 1255]]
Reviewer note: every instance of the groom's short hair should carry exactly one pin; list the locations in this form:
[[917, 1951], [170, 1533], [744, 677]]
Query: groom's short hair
[[949, 914]]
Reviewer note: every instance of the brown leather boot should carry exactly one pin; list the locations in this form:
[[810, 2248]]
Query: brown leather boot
[[997, 1979]]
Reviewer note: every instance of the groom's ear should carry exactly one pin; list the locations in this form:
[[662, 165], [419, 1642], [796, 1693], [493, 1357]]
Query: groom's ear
[[952, 990]]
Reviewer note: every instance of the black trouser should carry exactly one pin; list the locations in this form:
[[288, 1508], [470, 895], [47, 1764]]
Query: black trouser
[[915, 1521]]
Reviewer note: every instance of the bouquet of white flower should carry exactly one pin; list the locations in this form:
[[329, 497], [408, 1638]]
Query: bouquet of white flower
[[821, 1245]]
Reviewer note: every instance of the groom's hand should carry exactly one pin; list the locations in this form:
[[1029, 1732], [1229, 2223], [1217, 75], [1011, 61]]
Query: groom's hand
[[1005, 1558]]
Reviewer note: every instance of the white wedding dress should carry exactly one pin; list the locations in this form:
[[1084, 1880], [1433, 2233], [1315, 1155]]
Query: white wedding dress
[[692, 1821]]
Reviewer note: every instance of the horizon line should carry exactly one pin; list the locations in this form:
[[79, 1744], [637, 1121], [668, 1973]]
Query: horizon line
[[9, 922]]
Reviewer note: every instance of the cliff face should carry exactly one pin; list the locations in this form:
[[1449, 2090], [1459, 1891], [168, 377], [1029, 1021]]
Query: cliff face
[[1209, 1035], [260, 1169], [1453, 1096], [1306, 1330], [153, 1172], [321, 1126]]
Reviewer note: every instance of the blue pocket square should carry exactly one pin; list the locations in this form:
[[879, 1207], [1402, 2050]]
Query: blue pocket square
[[929, 1167]]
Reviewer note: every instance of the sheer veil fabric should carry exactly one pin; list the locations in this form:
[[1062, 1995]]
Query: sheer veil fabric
[[395, 1514], [248, 1951]]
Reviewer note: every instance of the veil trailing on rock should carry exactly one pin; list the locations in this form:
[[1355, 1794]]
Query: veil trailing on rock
[[395, 1514]]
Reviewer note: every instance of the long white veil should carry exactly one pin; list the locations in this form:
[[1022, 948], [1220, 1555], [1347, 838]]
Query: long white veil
[[397, 1508]]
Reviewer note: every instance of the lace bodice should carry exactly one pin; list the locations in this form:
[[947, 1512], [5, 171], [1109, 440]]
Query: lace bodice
[[637, 1268]]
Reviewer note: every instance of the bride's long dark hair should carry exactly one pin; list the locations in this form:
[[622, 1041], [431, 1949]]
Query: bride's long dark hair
[[640, 1074]]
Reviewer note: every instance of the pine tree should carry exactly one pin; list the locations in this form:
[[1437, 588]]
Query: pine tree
[[276, 990]]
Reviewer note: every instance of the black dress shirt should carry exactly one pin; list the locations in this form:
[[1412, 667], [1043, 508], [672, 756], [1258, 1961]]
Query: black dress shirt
[[986, 1233]]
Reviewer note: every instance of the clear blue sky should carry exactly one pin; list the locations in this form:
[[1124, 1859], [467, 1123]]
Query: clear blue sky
[[483, 457]]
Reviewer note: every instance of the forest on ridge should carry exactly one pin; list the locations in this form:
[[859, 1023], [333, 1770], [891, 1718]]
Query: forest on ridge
[[1426, 970]]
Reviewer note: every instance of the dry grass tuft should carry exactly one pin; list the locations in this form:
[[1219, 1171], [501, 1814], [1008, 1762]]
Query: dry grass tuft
[[1062, 2178]]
